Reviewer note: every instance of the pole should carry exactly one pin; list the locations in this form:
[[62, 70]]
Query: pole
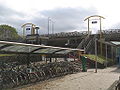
[[106, 55], [88, 27], [112, 52], [100, 29], [100, 37], [95, 55], [53, 28], [79, 55], [116, 54], [48, 25]]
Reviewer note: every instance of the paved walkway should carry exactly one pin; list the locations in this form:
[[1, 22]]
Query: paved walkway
[[80, 81]]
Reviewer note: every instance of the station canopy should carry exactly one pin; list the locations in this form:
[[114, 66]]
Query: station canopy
[[23, 48], [117, 43]]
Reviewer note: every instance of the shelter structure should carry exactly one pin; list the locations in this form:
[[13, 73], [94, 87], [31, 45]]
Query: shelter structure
[[47, 51], [117, 45], [111, 50]]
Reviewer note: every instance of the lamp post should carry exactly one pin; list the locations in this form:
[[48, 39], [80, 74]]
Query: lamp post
[[106, 54], [48, 25]]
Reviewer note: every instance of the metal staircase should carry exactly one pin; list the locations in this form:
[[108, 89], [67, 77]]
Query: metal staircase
[[90, 46], [83, 42], [87, 43]]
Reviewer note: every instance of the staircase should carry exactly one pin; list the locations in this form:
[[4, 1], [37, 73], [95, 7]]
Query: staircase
[[87, 43], [90, 46], [81, 45]]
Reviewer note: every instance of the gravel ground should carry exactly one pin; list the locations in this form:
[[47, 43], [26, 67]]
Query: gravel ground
[[79, 81]]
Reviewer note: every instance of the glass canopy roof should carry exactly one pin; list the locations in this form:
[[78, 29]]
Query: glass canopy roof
[[116, 43], [47, 50], [63, 52], [18, 48], [14, 47]]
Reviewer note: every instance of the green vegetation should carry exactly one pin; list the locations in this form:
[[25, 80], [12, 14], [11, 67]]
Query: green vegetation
[[100, 59], [2, 55], [8, 33]]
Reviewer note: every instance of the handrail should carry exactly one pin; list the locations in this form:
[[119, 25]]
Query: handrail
[[82, 42], [89, 44]]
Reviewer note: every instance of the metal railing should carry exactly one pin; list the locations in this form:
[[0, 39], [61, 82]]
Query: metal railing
[[90, 44], [66, 34]]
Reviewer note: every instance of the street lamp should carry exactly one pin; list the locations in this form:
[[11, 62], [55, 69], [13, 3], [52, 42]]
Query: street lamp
[[48, 25]]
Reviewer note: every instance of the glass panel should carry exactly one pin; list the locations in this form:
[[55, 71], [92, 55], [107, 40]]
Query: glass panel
[[47, 50], [116, 43], [17, 48], [21, 48], [27, 49], [63, 52], [2, 45], [12, 48]]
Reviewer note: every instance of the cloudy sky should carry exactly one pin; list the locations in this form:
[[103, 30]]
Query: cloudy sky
[[68, 15]]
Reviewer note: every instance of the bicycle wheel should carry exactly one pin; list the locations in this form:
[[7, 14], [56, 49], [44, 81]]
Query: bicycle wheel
[[32, 77], [8, 82]]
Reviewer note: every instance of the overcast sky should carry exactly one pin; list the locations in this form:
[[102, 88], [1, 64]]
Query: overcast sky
[[68, 15]]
